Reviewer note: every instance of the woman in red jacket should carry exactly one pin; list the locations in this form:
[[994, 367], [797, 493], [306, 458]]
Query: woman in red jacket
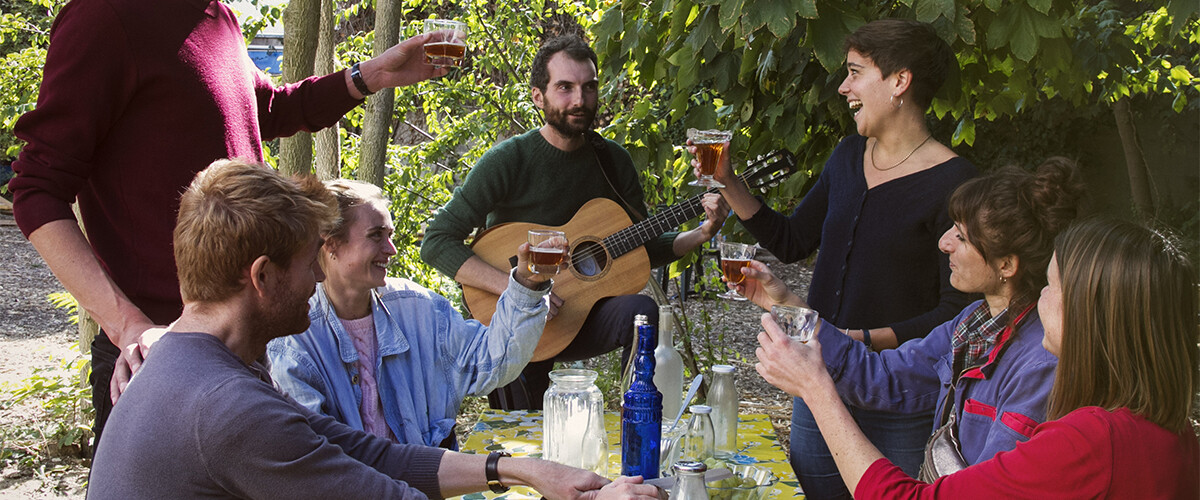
[[1120, 313]]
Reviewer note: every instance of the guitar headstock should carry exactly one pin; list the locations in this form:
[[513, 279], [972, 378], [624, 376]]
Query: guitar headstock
[[769, 170]]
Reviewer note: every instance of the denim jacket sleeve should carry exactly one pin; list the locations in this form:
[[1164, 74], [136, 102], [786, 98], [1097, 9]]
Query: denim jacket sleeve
[[905, 379], [296, 374], [494, 355]]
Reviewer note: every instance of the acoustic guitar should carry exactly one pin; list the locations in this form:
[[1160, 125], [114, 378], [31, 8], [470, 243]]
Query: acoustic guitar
[[606, 256]]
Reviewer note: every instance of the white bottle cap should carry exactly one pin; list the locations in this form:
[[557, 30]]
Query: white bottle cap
[[700, 409], [722, 369]]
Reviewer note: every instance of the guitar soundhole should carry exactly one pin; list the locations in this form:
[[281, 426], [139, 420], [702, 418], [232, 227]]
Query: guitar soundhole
[[589, 259]]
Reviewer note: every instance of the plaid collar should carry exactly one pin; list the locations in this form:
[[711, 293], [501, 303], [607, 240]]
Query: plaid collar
[[976, 334]]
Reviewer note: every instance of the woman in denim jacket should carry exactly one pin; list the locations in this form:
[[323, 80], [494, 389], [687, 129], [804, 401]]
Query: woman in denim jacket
[[388, 356], [991, 353]]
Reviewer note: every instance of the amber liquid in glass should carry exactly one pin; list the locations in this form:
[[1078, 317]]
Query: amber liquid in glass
[[709, 154], [733, 269], [445, 53]]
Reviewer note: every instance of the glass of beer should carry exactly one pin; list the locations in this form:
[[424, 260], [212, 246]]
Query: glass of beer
[[548, 251], [800, 323], [709, 145], [448, 45], [734, 256]]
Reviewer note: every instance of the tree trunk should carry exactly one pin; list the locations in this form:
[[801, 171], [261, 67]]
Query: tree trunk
[[1140, 187], [378, 114], [328, 145], [301, 25]]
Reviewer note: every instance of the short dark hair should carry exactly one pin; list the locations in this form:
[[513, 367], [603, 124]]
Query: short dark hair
[[575, 47], [898, 44]]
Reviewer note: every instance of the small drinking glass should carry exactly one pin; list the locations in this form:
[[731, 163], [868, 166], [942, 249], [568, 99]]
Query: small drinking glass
[[448, 45], [734, 256], [709, 145], [548, 251], [800, 323]]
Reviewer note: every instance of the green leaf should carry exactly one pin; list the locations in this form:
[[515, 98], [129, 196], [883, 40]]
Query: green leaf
[[609, 24], [686, 78], [806, 9], [965, 132], [929, 10], [826, 35], [1042, 6], [731, 13], [964, 26], [1181, 75]]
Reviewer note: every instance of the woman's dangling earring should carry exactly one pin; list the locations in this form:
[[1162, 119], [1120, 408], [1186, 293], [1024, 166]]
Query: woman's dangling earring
[[332, 256]]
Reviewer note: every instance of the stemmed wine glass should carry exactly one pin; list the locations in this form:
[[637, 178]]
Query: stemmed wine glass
[[709, 145]]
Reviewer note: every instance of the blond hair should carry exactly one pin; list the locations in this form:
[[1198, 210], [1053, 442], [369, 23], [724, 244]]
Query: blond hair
[[1129, 327], [235, 211], [350, 194]]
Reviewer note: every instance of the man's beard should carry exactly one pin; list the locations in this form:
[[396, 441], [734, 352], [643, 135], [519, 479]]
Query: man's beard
[[287, 315], [561, 119]]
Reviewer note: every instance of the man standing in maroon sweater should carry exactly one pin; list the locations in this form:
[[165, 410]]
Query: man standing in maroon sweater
[[137, 96]]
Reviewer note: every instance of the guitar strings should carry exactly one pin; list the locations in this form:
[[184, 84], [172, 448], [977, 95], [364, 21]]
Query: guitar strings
[[620, 237]]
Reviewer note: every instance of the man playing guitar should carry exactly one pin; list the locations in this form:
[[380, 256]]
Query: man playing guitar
[[544, 177]]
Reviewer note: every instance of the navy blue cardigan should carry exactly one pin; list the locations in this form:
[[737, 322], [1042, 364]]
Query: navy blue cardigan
[[878, 264]]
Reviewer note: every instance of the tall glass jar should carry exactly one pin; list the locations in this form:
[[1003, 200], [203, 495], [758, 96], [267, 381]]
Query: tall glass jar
[[573, 428], [696, 444], [689, 482], [723, 398]]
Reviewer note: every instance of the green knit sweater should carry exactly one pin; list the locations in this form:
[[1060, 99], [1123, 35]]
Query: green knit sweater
[[526, 179]]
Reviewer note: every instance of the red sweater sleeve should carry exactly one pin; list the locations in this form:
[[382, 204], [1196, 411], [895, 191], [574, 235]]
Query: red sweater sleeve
[[1060, 460], [78, 103]]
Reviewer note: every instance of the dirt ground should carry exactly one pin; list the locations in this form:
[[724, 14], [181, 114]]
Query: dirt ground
[[34, 334]]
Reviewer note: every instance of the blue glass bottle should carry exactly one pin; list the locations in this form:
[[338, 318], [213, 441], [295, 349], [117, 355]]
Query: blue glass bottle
[[641, 418]]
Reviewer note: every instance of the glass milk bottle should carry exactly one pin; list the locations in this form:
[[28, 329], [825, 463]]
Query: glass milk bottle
[[723, 398], [573, 428], [668, 364], [689, 482], [696, 444]]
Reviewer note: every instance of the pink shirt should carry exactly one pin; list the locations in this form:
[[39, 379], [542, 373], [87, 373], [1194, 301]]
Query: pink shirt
[[362, 332], [1089, 453]]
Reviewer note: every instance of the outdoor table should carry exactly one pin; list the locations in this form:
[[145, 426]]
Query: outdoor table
[[520, 433]]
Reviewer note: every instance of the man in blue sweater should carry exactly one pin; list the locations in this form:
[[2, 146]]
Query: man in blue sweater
[[201, 418]]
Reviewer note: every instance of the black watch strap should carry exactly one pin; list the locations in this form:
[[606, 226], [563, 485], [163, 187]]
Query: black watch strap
[[492, 473], [867, 338], [359, 83]]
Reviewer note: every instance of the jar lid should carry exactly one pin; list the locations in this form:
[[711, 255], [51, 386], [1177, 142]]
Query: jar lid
[[690, 467], [700, 409], [722, 369]]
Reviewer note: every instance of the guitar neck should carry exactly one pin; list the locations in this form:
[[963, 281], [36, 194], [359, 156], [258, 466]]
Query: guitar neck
[[664, 220]]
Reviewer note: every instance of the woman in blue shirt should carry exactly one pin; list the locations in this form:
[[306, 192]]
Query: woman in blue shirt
[[388, 356]]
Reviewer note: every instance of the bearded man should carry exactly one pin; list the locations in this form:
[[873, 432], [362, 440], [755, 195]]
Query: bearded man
[[543, 177]]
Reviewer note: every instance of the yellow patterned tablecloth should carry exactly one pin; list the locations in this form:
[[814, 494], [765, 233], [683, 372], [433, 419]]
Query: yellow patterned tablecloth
[[520, 433]]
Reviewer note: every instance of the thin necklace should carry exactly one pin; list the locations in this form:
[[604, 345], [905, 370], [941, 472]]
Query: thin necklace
[[914, 151]]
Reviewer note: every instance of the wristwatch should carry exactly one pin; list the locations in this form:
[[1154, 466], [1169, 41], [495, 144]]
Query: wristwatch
[[359, 83], [492, 473], [867, 337]]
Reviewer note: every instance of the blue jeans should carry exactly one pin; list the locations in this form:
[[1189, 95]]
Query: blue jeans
[[900, 437]]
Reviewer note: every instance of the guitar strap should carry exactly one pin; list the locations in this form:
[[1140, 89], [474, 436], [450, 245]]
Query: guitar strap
[[605, 159]]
